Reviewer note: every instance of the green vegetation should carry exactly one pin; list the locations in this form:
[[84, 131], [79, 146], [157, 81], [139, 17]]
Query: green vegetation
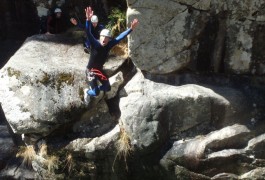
[[117, 24], [117, 21]]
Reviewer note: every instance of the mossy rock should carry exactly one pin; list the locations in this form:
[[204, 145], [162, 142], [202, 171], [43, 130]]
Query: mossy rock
[[12, 72]]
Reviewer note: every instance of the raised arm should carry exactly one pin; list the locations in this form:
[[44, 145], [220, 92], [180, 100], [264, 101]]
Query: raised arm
[[89, 13], [134, 24]]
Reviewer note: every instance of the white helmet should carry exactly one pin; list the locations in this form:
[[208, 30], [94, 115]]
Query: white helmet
[[105, 32], [94, 19], [57, 10]]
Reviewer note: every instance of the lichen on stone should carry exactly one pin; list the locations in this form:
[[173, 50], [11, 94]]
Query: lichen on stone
[[64, 78], [81, 93], [46, 79], [56, 81], [13, 72]]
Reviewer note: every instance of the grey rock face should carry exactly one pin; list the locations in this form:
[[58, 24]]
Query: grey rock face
[[175, 34], [169, 46], [173, 132], [197, 154], [152, 112], [256, 146], [7, 147], [258, 173], [42, 85]]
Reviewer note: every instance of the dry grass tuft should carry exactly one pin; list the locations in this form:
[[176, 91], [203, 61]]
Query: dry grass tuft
[[120, 49], [52, 163], [43, 150], [124, 147], [69, 163], [27, 153], [124, 144]]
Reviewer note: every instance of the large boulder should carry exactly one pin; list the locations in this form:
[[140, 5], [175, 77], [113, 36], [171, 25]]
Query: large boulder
[[205, 34], [256, 146], [258, 173], [152, 112], [167, 47], [42, 86], [213, 155], [197, 130]]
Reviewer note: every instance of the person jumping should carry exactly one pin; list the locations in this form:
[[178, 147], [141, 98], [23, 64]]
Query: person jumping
[[99, 54]]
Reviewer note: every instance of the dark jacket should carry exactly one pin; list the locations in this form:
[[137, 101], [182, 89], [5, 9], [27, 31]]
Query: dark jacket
[[54, 25], [95, 31], [99, 53]]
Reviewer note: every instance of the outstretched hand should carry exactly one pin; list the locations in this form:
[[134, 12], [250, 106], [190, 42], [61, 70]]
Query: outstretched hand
[[89, 13], [134, 23]]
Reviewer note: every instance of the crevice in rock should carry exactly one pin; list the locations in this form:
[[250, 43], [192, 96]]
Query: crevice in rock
[[206, 45], [258, 53], [128, 70], [140, 7], [254, 20], [15, 137], [7, 49], [191, 6], [219, 46]]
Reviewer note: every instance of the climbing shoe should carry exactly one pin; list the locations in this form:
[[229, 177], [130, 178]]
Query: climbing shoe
[[86, 50]]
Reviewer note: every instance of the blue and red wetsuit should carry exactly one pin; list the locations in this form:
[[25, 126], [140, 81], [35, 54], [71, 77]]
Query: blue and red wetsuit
[[98, 57], [94, 30]]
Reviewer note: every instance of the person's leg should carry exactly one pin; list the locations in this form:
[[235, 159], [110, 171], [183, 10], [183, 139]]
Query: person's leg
[[94, 91], [92, 81], [87, 45], [105, 85]]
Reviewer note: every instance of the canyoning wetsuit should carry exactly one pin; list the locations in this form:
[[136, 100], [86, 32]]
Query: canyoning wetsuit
[[98, 57], [94, 30]]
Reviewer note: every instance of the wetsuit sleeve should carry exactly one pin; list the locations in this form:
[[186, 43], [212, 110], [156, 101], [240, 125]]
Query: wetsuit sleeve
[[120, 37], [94, 42], [101, 27]]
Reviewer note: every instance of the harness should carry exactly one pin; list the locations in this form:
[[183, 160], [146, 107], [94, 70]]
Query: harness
[[91, 73]]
